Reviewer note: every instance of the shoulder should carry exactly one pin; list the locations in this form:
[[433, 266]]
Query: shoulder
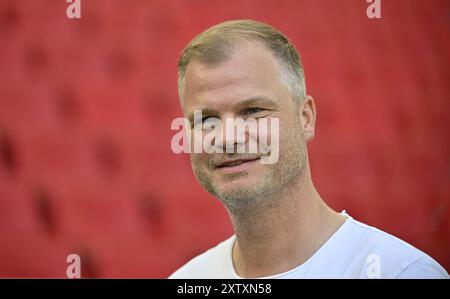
[[209, 264], [390, 257]]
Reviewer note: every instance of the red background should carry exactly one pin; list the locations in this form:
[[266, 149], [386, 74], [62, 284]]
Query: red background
[[86, 107]]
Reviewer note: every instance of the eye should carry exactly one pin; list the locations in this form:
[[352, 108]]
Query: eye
[[201, 122], [253, 110], [205, 118]]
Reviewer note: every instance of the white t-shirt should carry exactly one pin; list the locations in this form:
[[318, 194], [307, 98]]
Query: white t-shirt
[[355, 250]]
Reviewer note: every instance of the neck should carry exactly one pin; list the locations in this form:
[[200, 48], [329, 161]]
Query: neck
[[283, 233]]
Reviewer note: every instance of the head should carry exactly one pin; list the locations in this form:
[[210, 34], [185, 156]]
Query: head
[[246, 69]]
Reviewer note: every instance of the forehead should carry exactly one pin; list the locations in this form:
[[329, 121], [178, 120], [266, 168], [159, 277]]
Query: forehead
[[251, 70]]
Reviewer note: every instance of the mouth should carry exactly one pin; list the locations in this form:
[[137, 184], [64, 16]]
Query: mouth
[[235, 165]]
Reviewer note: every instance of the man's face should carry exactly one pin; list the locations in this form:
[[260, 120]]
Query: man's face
[[248, 84]]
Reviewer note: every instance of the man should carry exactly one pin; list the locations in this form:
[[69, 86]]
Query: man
[[283, 229]]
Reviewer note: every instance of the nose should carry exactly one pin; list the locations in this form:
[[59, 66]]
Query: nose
[[234, 135]]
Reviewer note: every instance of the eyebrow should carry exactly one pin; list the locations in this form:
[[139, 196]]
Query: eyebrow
[[244, 103]]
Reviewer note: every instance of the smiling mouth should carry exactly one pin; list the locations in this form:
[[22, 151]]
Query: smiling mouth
[[236, 162]]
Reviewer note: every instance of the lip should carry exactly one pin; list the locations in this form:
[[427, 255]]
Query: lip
[[244, 165]]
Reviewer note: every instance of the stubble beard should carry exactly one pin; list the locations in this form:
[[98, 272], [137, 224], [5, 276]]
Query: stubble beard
[[278, 178]]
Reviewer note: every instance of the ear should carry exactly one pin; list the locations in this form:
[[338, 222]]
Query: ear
[[308, 117]]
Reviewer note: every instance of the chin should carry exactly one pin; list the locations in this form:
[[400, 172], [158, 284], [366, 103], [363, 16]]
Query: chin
[[236, 183]]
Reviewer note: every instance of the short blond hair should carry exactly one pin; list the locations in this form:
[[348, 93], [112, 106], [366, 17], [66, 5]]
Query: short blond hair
[[217, 43]]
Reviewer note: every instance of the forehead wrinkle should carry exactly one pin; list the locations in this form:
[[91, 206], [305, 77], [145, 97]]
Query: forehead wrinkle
[[209, 84], [248, 56], [249, 70]]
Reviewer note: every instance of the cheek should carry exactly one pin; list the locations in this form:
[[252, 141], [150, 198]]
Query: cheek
[[290, 137], [290, 126], [199, 159], [269, 131]]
